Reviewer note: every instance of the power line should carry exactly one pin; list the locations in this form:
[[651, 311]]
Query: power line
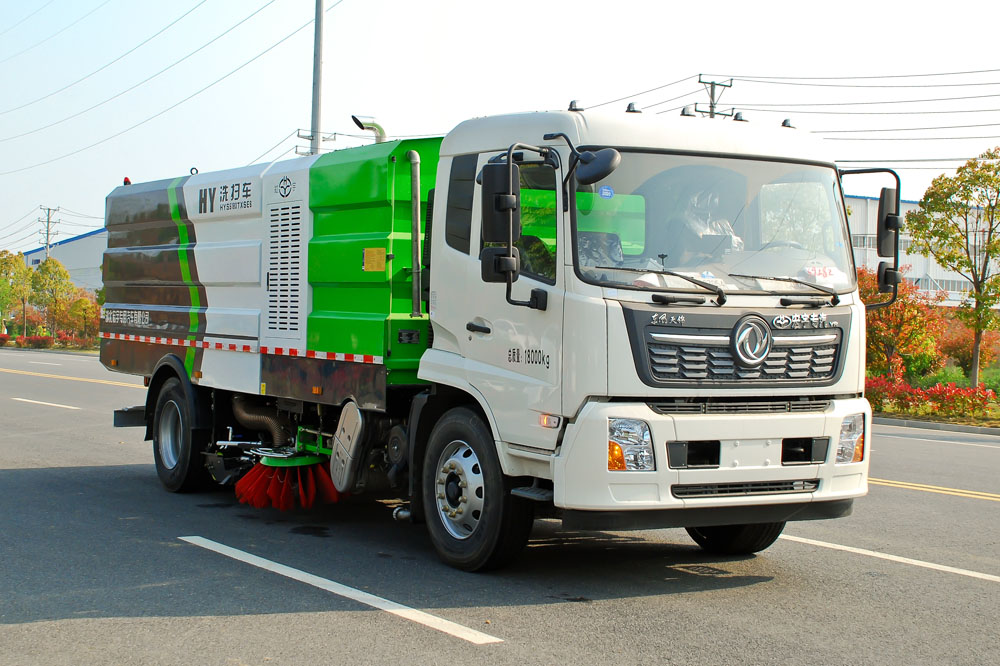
[[172, 106], [30, 212], [55, 34], [892, 101], [5, 31], [907, 138], [68, 211], [117, 95], [103, 67], [867, 77], [863, 113], [622, 99], [688, 94], [862, 85], [904, 129], [21, 230], [286, 138]]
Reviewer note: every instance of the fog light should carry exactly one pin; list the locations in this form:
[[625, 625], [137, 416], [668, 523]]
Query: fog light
[[630, 446], [851, 447]]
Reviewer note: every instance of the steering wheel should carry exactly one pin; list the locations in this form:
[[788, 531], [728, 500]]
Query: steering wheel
[[783, 243]]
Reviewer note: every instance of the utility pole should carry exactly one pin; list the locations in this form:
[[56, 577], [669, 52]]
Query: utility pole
[[713, 87], [317, 80], [48, 226]]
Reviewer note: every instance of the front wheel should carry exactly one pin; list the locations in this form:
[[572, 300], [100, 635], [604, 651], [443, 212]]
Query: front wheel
[[474, 522], [736, 539], [177, 449]]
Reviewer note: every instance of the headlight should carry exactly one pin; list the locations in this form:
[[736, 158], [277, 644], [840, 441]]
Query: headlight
[[630, 446], [851, 448]]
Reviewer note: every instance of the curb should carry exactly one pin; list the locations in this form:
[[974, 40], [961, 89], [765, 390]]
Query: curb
[[931, 425]]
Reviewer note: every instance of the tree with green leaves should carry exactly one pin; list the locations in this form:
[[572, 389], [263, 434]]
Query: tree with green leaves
[[15, 284], [51, 288], [958, 224]]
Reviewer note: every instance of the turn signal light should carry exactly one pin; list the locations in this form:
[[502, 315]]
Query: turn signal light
[[616, 458], [859, 449]]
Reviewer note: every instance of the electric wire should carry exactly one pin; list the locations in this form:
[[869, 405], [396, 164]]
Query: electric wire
[[873, 103], [18, 231], [907, 138], [666, 85], [862, 85], [30, 212], [847, 78], [55, 34], [172, 106], [6, 30], [286, 138], [904, 129], [105, 66], [743, 107], [69, 211], [146, 80], [688, 94]]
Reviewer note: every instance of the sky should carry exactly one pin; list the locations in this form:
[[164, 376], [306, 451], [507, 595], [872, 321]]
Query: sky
[[92, 91]]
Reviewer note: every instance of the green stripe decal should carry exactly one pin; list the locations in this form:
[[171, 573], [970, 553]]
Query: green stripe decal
[[184, 250]]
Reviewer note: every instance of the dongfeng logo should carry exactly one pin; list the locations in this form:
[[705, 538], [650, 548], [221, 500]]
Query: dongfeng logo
[[751, 341]]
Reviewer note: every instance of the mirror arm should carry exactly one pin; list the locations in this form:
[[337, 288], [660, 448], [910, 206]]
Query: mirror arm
[[895, 260]]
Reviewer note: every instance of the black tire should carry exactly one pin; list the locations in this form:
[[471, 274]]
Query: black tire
[[736, 539], [177, 449], [480, 525]]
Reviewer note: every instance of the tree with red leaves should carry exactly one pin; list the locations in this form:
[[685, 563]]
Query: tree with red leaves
[[903, 331]]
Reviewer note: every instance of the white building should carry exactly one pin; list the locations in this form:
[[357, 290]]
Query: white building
[[928, 275], [81, 255]]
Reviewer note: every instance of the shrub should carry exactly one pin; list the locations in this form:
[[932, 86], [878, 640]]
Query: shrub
[[4, 339], [40, 341], [949, 400]]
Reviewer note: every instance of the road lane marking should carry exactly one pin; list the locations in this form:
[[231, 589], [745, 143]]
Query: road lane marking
[[399, 610], [906, 485], [49, 404], [72, 379], [43, 363], [937, 441], [893, 558]]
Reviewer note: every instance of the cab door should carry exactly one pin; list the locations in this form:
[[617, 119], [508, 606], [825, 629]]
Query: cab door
[[513, 354]]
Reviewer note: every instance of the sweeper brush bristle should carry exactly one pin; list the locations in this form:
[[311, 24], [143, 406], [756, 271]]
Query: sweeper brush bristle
[[280, 487]]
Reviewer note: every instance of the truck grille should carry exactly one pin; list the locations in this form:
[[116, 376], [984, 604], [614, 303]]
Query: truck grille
[[739, 406], [681, 356], [751, 488]]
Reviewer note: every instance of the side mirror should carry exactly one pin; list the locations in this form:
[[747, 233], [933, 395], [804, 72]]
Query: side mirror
[[497, 265], [889, 223], [597, 166], [501, 203], [888, 277]]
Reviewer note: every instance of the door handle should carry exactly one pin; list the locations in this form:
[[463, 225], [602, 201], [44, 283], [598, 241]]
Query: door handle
[[478, 328]]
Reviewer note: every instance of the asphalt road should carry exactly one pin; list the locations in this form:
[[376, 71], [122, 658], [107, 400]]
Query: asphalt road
[[93, 569]]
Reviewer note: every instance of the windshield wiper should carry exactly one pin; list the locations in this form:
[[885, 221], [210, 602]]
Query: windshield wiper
[[717, 290], [830, 291]]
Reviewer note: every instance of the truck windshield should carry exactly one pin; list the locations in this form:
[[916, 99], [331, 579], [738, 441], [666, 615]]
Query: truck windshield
[[713, 219]]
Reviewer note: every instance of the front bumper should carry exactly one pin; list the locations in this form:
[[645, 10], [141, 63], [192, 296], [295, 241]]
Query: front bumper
[[750, 451]]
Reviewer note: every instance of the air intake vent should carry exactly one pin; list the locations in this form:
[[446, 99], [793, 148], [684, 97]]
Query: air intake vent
[[750, 488], [284, 269], [695, 406]]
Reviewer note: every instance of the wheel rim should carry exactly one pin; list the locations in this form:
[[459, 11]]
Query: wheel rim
[[169, 435], [459, 489]]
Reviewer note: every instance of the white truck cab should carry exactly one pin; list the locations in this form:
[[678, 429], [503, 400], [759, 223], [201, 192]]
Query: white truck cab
[[698, 356]]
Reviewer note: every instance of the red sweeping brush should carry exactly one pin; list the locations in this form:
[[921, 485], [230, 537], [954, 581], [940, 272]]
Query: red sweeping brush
[[265, 486]]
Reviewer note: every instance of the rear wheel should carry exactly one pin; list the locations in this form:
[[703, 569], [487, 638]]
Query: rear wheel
[[736, 539], [177, 449], [474, 522]]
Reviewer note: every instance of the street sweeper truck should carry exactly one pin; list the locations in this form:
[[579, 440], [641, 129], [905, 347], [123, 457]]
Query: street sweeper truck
[[613, 319]]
